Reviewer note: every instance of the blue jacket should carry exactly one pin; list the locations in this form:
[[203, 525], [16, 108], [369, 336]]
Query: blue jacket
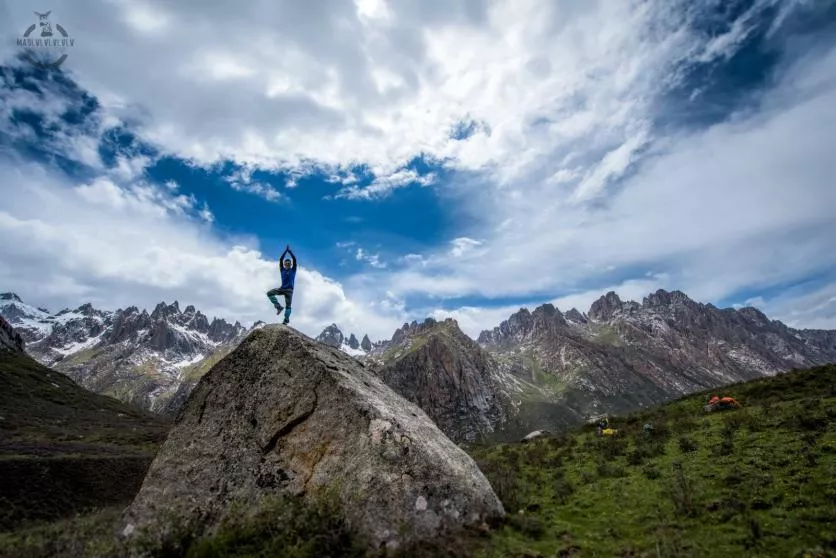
[[288, 275]]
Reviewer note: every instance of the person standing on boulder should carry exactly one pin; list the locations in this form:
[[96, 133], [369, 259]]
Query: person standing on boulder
[[288, 271]]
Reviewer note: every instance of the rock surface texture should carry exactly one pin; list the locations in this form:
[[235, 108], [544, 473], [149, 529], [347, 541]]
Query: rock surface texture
[[285, 414], [452, 379], [10, 340]]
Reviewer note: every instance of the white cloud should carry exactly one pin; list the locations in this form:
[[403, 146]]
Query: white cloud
[[242, 181], [811, 309], [462, 246], [379, 83], [372, 259], [742, 205], [260, 189], [385, 185], [120, 246]]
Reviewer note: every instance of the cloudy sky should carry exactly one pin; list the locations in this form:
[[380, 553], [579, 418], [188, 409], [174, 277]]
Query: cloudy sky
[[437, 158]]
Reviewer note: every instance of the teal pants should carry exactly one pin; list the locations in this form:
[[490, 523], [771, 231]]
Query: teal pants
[[288, 298]]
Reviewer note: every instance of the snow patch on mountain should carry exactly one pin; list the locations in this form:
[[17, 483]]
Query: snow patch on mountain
[[352, 352], [79, 346]]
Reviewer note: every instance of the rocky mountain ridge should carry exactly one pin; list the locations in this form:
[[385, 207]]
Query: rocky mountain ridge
[[621, 355], [135, 356]]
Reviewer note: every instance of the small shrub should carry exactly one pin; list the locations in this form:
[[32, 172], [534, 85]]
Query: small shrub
[[528, 525], [685, 424], [755, 534], [635, 457], [612, 447], [651, 472], [555, 461], [609, 470], [503, 479], [760, 504], [737, 420], [725, 447], [563, 489], [732, 480], [661, 430], [809, 438], [537, 453], [654, 448], [686, 444], [805, 420], [681, 492]]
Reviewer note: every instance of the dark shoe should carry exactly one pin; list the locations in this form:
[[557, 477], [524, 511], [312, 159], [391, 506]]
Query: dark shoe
[[279, 309], [286, 321]]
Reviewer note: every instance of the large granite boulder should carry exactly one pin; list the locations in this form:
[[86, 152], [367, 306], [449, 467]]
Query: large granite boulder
[[284, 414]]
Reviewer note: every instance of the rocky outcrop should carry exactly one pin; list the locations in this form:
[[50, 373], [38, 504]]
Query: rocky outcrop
[[285, 414], [451, 378], [366, 343], [10, 340]]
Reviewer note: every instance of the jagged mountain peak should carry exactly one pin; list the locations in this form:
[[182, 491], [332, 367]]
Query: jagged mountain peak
[[575, 316], [667, 298], [332, 335], [163, 310], [549, 313], [353, 342], [605, 307], [754, 315], [524, 323], [10, 296], [415, 327]]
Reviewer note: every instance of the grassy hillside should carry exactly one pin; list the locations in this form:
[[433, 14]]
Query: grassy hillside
[[64, 449], [756, 481], [759, 481]]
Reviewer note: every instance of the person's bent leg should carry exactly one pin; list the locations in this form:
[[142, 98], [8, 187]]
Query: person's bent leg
[[272, 294]]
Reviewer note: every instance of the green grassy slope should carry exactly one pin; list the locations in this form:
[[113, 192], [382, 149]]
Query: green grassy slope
[[45, 413], [64, 449], [756, 481]]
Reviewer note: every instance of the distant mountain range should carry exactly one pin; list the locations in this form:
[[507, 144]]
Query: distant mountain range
[[135, 356], [537, 369], [544, 369]]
